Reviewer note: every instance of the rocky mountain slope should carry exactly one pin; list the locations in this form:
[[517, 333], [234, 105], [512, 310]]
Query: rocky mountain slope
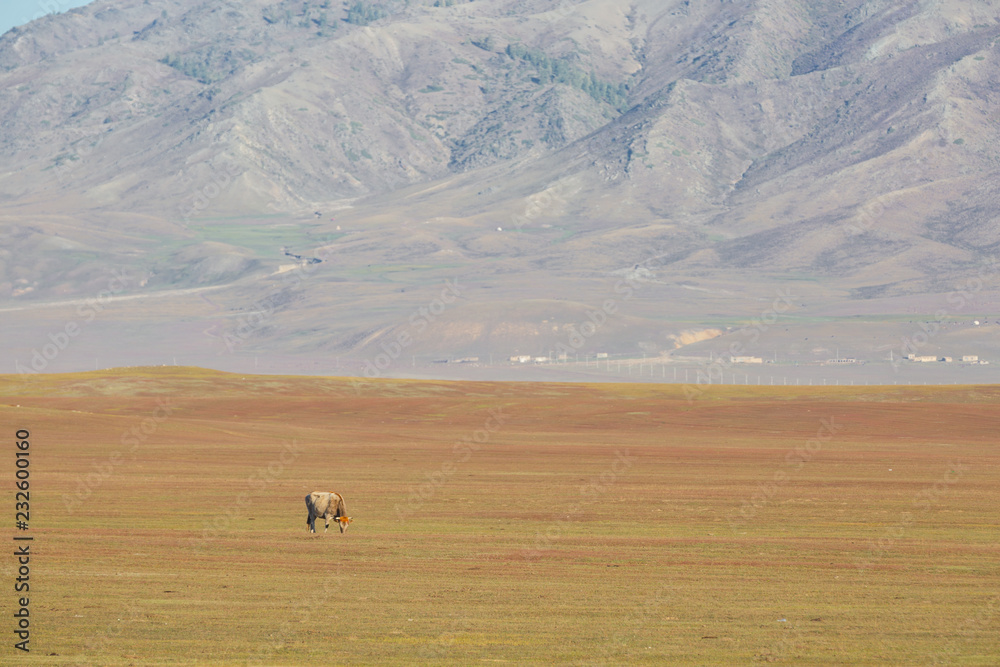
[[712, 154]]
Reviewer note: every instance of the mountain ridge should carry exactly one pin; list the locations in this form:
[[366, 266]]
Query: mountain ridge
[[527, 147]]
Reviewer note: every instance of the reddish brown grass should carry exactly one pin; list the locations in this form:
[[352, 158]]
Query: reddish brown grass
[[598, 524]]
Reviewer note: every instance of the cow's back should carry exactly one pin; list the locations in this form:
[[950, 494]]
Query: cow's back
[[318, 503]]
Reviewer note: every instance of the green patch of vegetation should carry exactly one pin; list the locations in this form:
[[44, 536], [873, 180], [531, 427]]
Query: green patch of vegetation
[[959, 142], [262, 240], [209, 64], [431, 88], [58, 160], [979, 58], [363, 13], [563, 71], [310, 15], [486, 43]]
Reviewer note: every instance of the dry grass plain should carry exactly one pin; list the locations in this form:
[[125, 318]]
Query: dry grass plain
[[505, 523]]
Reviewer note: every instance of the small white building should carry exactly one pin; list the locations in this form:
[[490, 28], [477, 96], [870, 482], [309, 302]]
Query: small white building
[[746, 360], [974, 358]]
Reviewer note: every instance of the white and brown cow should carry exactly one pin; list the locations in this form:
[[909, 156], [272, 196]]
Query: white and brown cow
[[328, 506]]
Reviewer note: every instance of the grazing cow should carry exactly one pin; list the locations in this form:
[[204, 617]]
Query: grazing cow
[[328, 506]]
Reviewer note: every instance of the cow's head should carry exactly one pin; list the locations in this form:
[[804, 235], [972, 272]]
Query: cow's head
[[344, 522]]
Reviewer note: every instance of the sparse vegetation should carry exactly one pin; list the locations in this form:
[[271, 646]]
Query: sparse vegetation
[[486, 43], [558, 83], [306, 15], [732, 541], [209, 64], [363, 13], [563, 71]]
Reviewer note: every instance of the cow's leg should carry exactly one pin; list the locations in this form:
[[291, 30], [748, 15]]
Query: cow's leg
[[312, 523], [327, 519]]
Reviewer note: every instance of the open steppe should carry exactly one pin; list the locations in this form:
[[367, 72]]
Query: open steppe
[[504, 522]]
